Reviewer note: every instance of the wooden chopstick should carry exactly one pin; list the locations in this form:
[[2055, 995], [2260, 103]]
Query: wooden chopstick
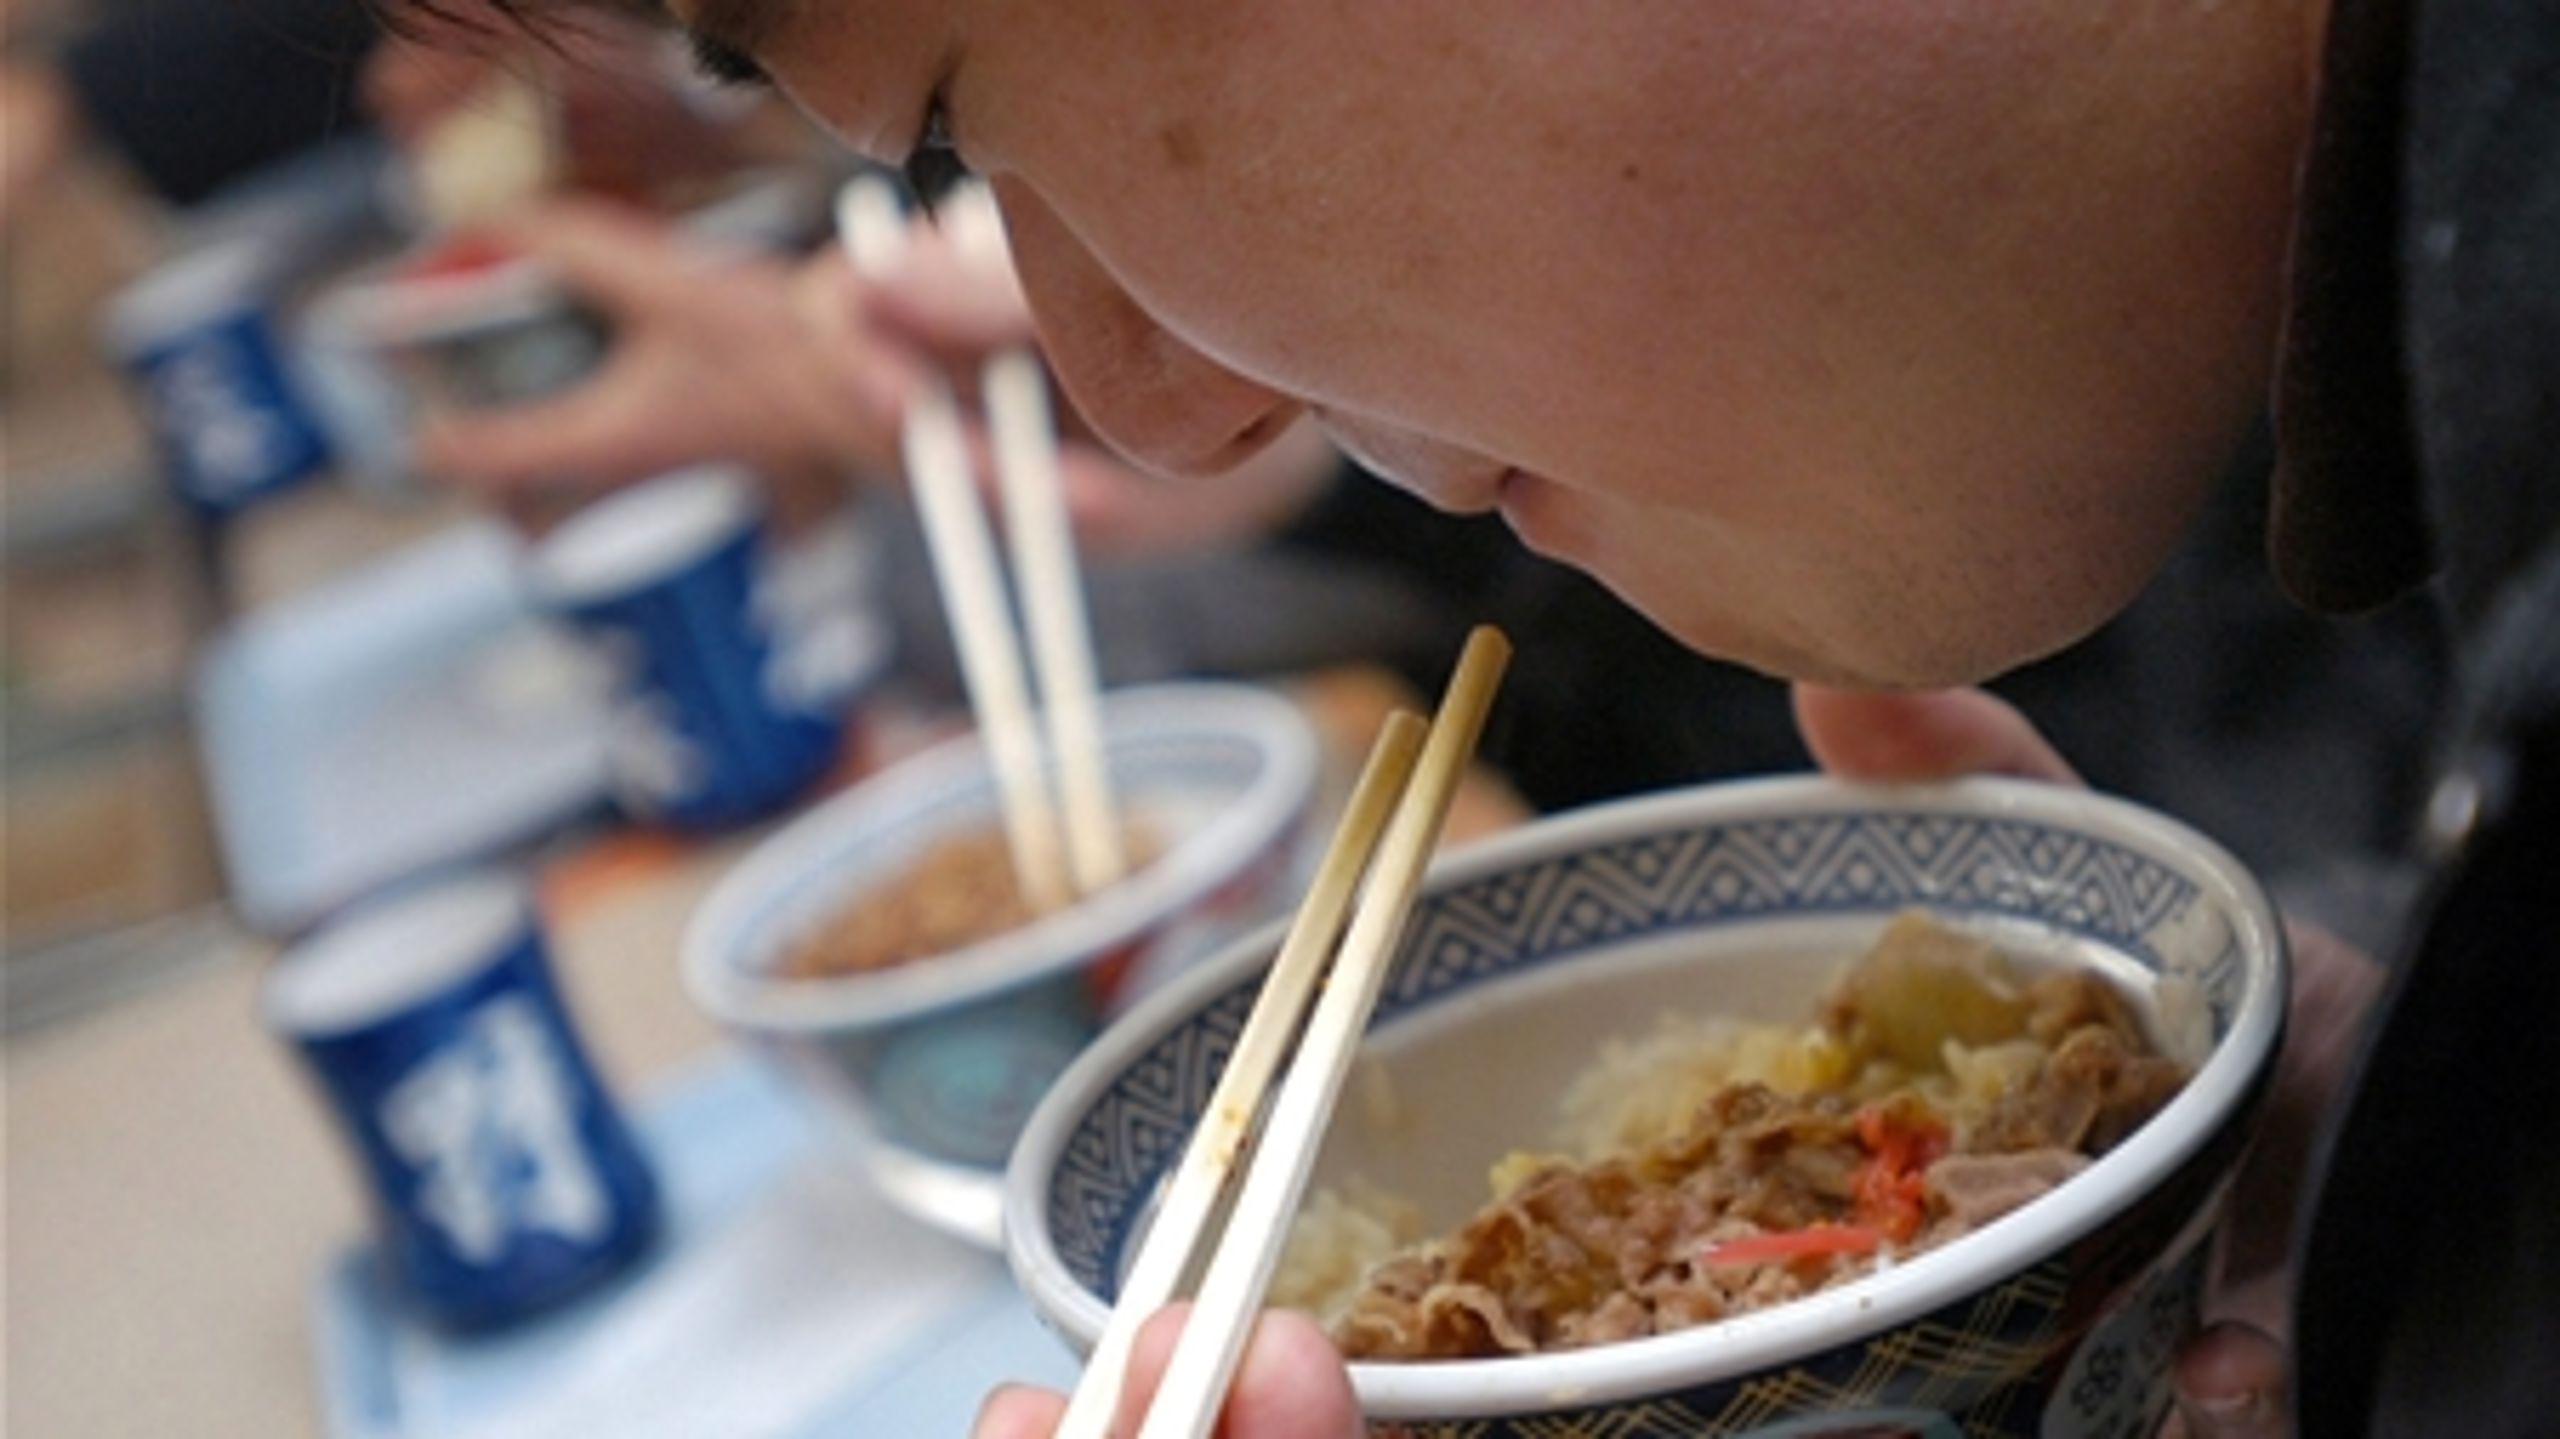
[[1209, 1161], [1016, 393], [964, 570], [1195, 1382]]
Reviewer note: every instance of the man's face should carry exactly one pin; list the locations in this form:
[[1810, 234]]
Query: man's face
[[1870, 340]]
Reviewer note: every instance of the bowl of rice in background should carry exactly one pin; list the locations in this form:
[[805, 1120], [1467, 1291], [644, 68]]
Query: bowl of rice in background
[[1787, 1107], [877, 947]]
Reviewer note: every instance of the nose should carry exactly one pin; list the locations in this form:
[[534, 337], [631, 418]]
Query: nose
[[1159, 401]]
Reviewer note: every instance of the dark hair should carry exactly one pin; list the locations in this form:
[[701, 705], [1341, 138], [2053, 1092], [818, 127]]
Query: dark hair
[[423, 20]]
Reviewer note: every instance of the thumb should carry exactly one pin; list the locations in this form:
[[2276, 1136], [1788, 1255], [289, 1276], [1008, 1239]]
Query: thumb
[[2231, 1385], [1290, 1384], [585, 437], [1937, 734], [1018, 1411]]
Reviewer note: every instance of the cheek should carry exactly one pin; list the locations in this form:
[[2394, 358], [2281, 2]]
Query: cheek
[[1254, 193]]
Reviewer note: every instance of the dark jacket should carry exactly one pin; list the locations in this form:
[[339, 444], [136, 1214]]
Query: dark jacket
[[2420, 421]]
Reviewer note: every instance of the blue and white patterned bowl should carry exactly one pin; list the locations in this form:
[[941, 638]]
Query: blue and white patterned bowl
[[938, 1063], [1527, 951]]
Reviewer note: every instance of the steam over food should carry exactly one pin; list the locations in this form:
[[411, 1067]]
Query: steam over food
[[1726, 1167]]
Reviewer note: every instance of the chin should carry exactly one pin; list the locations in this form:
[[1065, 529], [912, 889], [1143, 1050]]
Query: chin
[[1907, 649], [1947, 610]]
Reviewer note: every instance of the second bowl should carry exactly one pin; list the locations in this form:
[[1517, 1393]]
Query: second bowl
[[938, 1061]]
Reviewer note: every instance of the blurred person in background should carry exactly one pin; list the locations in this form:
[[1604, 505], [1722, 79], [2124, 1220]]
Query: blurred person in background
[[187, 98], [191, 99], [194, 100], [799, 369]]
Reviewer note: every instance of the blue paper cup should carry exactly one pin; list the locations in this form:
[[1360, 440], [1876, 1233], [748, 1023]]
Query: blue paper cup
[[503, 1179], [716, 720], [202, 340]]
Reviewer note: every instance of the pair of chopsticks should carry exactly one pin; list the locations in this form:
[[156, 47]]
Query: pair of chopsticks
[[1388, 832], [873, 227]]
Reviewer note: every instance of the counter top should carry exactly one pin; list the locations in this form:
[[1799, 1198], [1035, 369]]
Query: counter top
[[172, 1189]]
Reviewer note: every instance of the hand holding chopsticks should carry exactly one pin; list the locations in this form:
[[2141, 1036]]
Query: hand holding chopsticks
[[1389, 831], [872, 226]]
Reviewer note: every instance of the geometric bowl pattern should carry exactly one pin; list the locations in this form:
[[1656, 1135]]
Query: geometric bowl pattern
[[1990, 1363]]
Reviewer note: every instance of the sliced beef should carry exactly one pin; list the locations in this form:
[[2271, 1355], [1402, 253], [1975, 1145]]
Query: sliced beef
[[1974, 1189]]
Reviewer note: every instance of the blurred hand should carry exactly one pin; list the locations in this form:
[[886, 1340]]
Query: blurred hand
[[801, 373], [957, 308], [2231, 1377], [714, 357], [1291, 1385]]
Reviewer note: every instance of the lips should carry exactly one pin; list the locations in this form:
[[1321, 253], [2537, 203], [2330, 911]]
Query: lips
[[1555, 521]]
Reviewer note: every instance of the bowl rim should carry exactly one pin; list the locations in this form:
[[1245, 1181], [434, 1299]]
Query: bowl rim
[[1848, 1313], [784, 866]]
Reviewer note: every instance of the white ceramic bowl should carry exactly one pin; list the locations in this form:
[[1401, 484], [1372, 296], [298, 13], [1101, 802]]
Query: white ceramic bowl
[[938, 1063], [1739, 899]]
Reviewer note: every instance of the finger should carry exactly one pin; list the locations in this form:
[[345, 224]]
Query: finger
[[941, 302], [586, 437], [2230, 1381], [1018, 1411], [1938, 734], [873, 375], [1291, 1383]]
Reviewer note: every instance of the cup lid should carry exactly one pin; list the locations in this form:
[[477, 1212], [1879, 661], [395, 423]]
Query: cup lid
[[201, 285], [387, 956], [638, 535]]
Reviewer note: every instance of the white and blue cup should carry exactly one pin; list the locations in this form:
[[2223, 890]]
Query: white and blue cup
[[503, 1179], [719, 716], [203, 340]]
